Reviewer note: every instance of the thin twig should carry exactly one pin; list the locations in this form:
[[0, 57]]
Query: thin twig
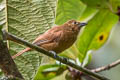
[[59, 58], [107, 67]]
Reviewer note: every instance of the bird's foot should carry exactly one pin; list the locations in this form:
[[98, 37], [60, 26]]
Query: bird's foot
[[55, 55], [66, 59]]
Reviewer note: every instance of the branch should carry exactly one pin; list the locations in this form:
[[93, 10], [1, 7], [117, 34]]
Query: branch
[[59, 58], [7, 64], [107, 67]]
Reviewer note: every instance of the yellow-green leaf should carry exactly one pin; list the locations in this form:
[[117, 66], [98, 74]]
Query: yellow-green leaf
[[96, 32]]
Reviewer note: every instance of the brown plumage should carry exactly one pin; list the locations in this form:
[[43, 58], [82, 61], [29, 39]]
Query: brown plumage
[[57, 38]]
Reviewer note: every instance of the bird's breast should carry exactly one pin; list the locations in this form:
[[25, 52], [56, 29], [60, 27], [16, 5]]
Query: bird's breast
[[65, 42]]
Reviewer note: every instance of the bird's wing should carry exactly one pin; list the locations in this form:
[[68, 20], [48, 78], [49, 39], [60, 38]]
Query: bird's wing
[[51, 35]]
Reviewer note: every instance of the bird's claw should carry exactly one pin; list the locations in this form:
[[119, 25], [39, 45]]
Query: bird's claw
[[55, 55], [66, 59]]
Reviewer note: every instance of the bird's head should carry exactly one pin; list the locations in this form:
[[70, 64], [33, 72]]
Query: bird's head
[[74, 25]]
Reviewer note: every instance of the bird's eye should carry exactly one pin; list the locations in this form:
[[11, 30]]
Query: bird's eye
[[75, 22]]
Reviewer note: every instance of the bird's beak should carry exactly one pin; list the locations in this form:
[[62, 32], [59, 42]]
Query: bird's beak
[[82, 24]]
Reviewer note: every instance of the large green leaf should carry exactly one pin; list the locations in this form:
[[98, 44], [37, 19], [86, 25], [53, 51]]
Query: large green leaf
[[88, 14], [96, 32], [68, 9], [27, 19]]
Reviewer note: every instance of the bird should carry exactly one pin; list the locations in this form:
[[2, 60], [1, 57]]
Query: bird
[[58, 38]]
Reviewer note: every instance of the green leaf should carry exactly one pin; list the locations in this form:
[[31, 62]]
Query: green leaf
[[95, 3], [71, 53], [2, 13], [111, 5], [49, 71], [114, 4], [87, 59], [96, 33], [1, 73], [69, 9], [27, 19], [2, 16], [88, 14]]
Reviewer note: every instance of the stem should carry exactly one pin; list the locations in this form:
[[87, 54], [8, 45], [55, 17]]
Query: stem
[[107, 67], [59, 58]]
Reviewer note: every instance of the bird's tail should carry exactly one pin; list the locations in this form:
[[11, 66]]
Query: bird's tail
[[21, 52]]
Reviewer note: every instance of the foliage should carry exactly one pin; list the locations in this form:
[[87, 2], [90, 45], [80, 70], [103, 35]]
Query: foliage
[[29, 18], [49, 71], [100, 22]]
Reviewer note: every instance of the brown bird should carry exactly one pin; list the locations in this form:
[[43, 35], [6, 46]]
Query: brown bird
[[58, 38]]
